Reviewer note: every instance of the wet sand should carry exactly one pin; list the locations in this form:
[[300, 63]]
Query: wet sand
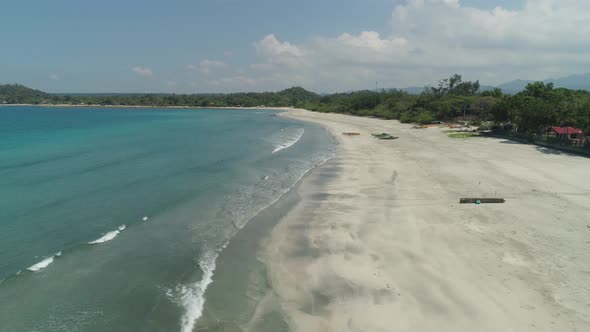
[[378, 241]]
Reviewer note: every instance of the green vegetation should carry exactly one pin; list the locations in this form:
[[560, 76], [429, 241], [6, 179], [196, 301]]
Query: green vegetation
[[528, 112], [540, 106], [291, 97], [452, 98]]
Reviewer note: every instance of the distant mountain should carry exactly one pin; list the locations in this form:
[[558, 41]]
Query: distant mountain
[[575, 82], [514, 86], [297, 96], [298, 92]]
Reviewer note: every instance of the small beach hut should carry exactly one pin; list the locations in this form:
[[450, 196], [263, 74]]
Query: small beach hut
[[573, 134]]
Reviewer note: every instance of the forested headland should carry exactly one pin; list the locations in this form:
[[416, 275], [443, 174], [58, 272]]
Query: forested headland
[[540, 105]]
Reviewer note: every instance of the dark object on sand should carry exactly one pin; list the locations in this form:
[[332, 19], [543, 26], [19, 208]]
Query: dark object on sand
[[351, 134], [481, 200], [384, 136]]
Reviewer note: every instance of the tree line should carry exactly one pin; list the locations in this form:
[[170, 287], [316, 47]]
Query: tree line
[[532, 110], [540, 105]]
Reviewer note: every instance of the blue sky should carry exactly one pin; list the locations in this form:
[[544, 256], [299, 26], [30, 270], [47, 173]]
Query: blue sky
[[326, 46]]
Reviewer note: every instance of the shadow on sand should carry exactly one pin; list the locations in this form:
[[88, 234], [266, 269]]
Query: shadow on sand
[[506, 141], [543, 149], [552, 151]]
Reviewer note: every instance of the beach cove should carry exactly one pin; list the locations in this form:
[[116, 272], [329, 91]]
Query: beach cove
[[370, 237]]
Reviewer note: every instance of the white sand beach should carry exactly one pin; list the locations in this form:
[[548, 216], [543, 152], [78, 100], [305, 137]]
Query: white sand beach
[[379, 242]]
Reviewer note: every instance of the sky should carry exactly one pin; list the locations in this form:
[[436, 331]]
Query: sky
[[201, 46]]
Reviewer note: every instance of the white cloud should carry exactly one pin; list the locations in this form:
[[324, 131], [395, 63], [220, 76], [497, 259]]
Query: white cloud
[[327, 64], [372, 41], [275, 51], [530, 41], [427, 40], [271, 46], [367, 48], [54, 77], [142, 71], [431, 39]]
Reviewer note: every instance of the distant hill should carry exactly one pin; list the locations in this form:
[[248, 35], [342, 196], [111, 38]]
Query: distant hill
[[514, 86], [20, 94], [575, 82], [106, 94], [298, 94], [295, 96], [487, 87]]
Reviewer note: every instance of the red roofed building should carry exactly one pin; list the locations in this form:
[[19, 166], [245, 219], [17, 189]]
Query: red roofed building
[[575, 135]]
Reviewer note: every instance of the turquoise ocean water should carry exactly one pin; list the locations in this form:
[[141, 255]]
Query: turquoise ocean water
[[112, 219]]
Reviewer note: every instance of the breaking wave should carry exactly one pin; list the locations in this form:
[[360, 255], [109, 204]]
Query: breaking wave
[[290, 140], [108, 236], [43, 264], [49, 260], [193, 296]]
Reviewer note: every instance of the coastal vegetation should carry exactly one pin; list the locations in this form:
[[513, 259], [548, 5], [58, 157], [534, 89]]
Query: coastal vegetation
[[528, 112]]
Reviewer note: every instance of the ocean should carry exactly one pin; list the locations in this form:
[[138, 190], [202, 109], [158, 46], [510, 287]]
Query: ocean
[[114, 219]]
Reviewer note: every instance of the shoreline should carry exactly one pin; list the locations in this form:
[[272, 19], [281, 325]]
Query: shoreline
[[284, 108], [382, 243], [240, 268]]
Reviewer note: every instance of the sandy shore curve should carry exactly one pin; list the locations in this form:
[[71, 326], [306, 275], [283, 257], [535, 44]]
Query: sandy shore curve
[[379, 242]]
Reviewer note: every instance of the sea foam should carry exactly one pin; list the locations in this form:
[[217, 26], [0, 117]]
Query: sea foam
[[42, 264], [289, 140], [108, 236], [193, 296]]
